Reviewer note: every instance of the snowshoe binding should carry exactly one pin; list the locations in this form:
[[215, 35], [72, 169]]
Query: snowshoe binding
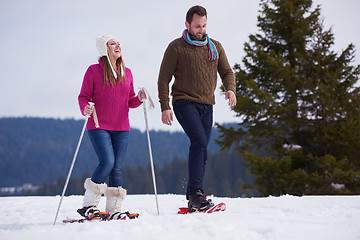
[[123, 216], [92, 213]]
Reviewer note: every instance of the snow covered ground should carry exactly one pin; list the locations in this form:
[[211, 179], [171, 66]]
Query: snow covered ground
[[286, 217]]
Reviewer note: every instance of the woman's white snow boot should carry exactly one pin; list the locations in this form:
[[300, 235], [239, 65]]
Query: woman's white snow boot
[[93, 192], [114, 198]]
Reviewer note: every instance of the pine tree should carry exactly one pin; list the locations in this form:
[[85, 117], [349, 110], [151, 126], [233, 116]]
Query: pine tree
[[298, 105]]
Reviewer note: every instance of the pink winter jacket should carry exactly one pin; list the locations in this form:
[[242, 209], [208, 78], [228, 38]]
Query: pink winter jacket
[[111, 103]]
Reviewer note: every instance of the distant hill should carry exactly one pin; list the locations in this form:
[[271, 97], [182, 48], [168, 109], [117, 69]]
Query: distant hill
[[37, 150]]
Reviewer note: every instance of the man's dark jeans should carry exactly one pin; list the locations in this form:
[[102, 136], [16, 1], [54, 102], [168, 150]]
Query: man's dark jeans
[[196, 120]]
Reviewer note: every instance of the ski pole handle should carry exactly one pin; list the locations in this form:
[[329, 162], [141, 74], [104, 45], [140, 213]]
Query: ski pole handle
[[151, 103], [94, 115]]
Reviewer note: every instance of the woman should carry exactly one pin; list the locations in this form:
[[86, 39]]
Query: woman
[[109, 85]]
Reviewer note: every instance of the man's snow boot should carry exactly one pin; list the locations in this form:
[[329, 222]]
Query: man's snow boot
[[198, 202], [93, 192], [114, 198]]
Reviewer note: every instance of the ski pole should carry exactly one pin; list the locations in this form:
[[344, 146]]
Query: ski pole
[[151, 106], [72, 164]]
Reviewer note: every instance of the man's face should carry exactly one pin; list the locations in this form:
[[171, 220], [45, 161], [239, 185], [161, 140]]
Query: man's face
[[197, 26]]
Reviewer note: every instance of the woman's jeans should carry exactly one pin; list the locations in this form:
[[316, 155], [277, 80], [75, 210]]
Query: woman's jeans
[[110, 147], [196, 120]]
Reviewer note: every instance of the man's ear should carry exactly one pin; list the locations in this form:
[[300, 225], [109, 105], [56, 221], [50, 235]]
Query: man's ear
[[187, 25]]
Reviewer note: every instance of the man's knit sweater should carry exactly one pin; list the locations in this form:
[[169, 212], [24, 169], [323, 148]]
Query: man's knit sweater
[[195, 75]]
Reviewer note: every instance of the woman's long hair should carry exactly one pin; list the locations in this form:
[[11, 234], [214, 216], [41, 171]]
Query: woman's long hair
[[119, 67]]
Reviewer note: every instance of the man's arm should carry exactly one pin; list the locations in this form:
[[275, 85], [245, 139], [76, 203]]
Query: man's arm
[[225, 71], [167, 68], [227, 77]]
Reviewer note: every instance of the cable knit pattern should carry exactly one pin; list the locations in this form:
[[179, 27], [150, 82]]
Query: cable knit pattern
[[111, 103], [195, 75]]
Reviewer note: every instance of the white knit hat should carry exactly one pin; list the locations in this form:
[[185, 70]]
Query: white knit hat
[[101, 46]]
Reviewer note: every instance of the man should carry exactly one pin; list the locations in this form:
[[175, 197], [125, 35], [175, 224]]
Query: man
[[194, 60]]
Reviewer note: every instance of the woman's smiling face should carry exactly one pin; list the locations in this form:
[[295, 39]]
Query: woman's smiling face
[[114, 47]]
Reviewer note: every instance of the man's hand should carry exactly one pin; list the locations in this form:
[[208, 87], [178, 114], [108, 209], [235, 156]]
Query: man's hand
[[232, 98], [167, 117]]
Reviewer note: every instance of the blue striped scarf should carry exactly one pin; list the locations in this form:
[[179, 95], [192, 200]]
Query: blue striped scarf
[[213, 53]]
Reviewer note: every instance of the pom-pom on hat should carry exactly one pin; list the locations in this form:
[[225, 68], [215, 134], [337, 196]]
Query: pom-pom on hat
[[101, 45]]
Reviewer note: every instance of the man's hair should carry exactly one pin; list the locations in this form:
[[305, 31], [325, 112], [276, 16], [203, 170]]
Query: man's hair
[[199, 10]]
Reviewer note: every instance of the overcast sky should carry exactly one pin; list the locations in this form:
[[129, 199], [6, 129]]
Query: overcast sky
[[46, 47]]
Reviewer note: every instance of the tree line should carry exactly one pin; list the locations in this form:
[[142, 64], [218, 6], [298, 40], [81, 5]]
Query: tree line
[[225, 175], [38, 150]]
